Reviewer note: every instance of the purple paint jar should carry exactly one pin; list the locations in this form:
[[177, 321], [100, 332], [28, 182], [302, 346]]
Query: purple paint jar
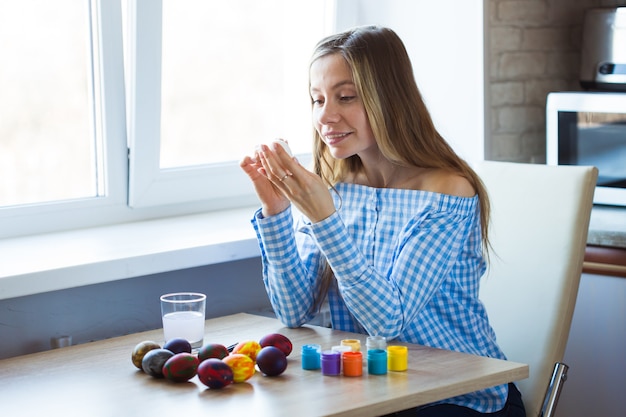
[[331, 363]]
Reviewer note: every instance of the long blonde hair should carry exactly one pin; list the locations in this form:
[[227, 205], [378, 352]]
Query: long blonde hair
[[405, 133]]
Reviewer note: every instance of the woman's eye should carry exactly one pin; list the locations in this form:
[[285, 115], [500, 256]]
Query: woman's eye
[[347, 98]]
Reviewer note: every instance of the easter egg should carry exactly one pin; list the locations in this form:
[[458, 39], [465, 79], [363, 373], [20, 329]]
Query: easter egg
[[140, 351], [278, 340], [212, 350], [249, 348], [215, 373], [153, 361], [181, 367], [178, 345], [271, 361], [285, 146], [242, 366]]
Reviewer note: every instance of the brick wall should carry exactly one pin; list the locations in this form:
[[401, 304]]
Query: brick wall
[[533, 48]]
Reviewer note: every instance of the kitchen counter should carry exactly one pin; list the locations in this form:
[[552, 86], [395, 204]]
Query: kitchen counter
[[606, 242], [597, 339], [607, 227]]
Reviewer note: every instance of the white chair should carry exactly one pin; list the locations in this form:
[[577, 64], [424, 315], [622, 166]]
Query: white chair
[[539, 222]]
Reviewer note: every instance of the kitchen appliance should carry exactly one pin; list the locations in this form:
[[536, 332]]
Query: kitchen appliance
[[589, 128], [603, 54]]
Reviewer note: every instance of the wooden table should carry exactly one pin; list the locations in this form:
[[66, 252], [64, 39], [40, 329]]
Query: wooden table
[[99, 379]]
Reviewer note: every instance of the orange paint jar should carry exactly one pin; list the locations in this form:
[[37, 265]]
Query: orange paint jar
[[352, 363]]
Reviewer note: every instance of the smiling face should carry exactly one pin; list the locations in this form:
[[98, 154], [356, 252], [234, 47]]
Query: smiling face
[[338, 112]]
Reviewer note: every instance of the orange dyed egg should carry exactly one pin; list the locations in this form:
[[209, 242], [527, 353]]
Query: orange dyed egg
[[242, 366], [249, 348]]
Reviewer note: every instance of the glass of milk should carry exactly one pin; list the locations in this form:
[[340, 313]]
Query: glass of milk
[[183, 316]]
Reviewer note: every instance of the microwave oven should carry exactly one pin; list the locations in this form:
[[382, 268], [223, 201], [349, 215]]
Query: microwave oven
[[589, 128]]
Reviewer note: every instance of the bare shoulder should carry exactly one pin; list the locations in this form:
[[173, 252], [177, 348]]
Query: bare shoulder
[[446, 182]]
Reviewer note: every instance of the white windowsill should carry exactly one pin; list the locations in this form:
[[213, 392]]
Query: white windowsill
[[55, 261]]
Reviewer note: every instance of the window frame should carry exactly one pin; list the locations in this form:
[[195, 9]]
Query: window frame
[[217, 185], [149, 184], [109, 121]]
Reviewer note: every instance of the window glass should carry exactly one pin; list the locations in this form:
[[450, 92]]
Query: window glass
[[47, 149], [235, 74], [82, 145]]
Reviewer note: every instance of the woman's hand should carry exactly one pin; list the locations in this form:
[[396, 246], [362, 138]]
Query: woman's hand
[[273, 201], [292, 181]]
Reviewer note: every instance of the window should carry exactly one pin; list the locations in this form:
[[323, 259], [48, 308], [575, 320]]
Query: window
[[33, 75], [89, 138], [63, 150], [233, 74]]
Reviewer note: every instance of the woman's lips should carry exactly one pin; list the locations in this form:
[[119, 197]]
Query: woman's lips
[[334, 138]]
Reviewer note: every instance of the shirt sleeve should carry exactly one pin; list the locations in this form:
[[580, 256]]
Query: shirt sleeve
[[384, 302], [290, 270]]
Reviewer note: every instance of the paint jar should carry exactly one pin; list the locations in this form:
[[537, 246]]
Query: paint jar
[[376, 342], [397, 358], [352, 363], [341, 349], [355, 344], [331, 363], [376, 361], [311, 356]]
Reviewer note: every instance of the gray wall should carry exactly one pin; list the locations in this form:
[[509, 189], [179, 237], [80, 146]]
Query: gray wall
[[101, 311]]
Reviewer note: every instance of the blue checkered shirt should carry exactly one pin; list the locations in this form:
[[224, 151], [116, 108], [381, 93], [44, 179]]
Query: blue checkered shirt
[[407, 265]]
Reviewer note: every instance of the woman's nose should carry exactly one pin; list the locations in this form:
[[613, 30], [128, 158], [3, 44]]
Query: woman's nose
[[328, 113]]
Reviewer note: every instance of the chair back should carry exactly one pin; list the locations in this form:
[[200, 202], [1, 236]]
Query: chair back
[[538, 232]]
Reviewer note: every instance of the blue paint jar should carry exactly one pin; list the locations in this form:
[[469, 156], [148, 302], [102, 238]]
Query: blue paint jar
[[311, 356], [376, 361]]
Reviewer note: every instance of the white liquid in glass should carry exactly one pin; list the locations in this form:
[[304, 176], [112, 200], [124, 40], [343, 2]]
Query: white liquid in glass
[[188, 325]]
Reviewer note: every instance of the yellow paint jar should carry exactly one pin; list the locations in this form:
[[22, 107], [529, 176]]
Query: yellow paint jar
[[355, 344], [397, 358]]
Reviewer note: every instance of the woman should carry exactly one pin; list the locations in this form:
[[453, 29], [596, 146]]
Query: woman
[[391, 226]]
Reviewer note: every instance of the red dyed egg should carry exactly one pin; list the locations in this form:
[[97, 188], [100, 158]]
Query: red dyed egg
[[212, 350], [242, 366], [278, 340], [271, 361], [214, 373], [181, 367]]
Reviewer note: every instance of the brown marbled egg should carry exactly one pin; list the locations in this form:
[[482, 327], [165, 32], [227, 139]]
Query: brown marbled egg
[[140, 351]]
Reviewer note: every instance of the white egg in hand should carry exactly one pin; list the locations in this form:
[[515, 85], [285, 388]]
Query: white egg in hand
[[285, 146]]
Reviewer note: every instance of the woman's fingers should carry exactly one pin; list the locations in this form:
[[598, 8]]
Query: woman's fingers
[[252, 167], [277, 163]]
